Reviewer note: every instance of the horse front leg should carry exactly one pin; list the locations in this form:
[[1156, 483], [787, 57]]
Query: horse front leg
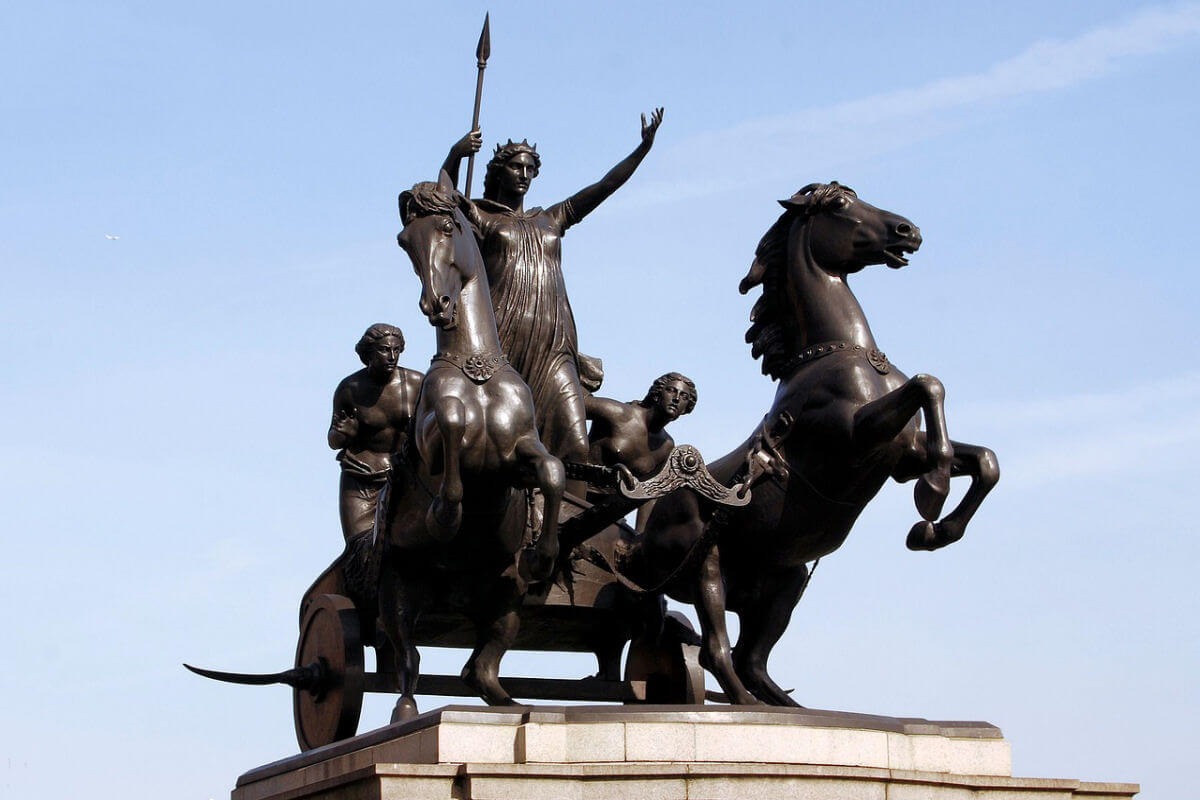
[[885, 418], [496, 626], [445, 513], [715, 654], [763, 621], [550, 477], [980, 464]]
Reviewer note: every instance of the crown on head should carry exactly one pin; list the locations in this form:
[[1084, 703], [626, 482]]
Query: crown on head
[[511, 145]]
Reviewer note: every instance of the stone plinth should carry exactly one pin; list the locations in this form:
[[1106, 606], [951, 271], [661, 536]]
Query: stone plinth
[[668, 752]]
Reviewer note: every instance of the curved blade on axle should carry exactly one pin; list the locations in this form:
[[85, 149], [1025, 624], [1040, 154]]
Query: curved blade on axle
[[296, 677]]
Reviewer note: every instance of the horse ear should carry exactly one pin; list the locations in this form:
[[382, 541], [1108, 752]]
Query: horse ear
[[800, 200], [445, 182], [404, 199]]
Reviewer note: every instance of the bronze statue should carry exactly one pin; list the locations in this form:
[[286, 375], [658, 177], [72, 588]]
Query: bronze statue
[[523, 254], [843, 422], [474, 427], [475, 415], [633, 435], [371, 412], [456, 555]]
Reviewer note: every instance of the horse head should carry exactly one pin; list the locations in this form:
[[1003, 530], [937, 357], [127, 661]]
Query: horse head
[[825, 233], [845, 234], [441, 246]]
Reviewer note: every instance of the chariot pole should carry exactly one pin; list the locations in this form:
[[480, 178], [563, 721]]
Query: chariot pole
[[482, 51]]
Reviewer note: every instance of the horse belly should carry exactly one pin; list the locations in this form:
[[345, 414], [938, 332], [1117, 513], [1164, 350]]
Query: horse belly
[[787, 528]]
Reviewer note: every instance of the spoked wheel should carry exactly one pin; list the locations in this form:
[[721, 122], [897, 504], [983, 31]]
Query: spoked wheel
[[670, 667], [331, 646]]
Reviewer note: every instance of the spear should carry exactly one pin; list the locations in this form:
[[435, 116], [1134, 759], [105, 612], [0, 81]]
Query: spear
[[482, 51]]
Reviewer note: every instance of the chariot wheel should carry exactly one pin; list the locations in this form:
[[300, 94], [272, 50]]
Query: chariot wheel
[[671, 666], [331, 646]]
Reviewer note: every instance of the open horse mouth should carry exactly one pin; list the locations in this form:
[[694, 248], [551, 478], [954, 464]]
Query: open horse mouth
[[445, 320], [894, 254]]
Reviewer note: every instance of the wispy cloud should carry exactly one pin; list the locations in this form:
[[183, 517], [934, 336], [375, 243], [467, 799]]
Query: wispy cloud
[[888, 121], [1095, 434]]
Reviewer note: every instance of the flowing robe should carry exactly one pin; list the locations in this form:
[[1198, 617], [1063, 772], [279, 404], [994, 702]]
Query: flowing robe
[[523, 254]]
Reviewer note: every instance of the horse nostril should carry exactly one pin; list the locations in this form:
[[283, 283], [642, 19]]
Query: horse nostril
[[445, 300], [904, 229]]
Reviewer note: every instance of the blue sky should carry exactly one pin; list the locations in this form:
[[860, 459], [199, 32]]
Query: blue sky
[[165, 488]]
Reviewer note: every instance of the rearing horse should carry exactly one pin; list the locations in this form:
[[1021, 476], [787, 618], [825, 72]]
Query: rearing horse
[[473, 428], [843, 422], [475, 414]]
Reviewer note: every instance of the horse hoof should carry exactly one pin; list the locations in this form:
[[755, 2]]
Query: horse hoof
[[922, 536], [930, 494], [406, 709], [490, 691], [746, 699]]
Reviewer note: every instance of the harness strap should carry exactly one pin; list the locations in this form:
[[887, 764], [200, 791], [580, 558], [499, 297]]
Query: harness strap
[[479, 367], [874, 356]]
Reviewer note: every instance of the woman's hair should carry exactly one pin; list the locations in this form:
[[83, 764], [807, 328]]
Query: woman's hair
[[656, 389], [373, 334]]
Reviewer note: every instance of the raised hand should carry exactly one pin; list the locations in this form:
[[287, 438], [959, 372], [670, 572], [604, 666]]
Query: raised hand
[[649, 128], [467, 145], [345, 423]]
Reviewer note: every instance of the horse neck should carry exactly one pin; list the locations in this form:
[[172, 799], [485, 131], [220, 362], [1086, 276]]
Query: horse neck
[[475, 328], [826, 309]]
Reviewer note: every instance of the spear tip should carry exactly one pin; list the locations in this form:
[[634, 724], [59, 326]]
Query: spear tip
[[484, 50]]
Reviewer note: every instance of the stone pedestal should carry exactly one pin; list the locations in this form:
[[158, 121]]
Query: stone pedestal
[[667, 752]]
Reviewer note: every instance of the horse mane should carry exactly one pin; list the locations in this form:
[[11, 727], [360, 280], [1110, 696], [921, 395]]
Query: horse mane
[[773, 328], [425, 198]]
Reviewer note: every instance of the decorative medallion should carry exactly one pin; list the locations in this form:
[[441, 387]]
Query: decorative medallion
[[685, 467], [879, 362], [479, 367]]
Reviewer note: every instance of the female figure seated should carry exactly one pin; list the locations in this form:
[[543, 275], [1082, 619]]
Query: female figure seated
[[634, 434]]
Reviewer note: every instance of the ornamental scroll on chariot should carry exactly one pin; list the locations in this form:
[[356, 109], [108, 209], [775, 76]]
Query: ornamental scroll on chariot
[[480, 511]]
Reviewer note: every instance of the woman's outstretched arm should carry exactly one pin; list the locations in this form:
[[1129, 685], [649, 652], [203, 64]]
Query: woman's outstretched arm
[[586, 200]]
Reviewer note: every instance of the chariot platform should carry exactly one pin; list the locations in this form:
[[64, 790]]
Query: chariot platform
[[663, 752]]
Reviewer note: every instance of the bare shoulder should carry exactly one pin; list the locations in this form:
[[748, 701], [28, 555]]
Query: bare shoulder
[[345, 388], [412, 378], [608, 408]]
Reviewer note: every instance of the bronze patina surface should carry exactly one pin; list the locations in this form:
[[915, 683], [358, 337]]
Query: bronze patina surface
[[480, 511]]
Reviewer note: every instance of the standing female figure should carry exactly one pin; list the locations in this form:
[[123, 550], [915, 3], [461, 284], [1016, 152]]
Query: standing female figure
[[522, 251], [371, 412]]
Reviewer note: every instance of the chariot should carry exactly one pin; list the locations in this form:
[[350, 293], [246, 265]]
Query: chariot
[[589, 608]]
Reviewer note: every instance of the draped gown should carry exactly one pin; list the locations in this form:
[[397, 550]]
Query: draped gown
[[523, 254]]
